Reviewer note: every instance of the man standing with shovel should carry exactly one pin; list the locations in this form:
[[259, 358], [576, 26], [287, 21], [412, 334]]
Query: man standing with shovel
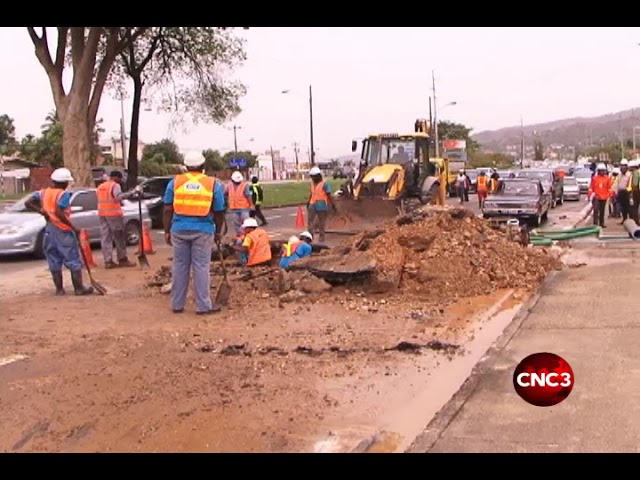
[[194, 211]]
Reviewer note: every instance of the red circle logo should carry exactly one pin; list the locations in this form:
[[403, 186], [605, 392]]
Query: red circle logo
[[543, 379]]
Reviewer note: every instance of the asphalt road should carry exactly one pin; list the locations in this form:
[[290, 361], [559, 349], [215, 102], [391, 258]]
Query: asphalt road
[[282, 224]]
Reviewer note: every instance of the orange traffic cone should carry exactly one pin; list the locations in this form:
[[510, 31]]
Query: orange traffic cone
[[85, 246], [146, 239], [300, 223]]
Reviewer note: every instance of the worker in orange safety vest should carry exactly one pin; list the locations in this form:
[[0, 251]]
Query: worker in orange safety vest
[[319, 203], [600, 191], [482, 188], [239, 200], [112, 229], [255, 248]]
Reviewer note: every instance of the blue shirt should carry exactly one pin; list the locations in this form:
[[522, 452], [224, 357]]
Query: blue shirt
[[321, 205], [205, 224], [63, 201], [302, 250]]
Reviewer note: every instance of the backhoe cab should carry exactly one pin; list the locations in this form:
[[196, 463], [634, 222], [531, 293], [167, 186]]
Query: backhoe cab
[[395, 172]]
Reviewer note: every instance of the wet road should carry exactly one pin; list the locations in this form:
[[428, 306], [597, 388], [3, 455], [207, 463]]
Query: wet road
[[282, 223]]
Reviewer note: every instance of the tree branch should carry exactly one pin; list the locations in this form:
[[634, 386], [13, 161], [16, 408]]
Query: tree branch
[[44, 57], [77, 46], [103, 73], [61, 51]]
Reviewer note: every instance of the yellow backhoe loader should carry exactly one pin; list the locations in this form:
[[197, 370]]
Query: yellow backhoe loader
[[395, 176]]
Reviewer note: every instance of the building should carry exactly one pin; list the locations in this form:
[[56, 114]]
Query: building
[[113, 148], [21, 176]]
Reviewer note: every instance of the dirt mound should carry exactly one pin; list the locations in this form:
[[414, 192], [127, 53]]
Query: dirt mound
[[450, 254]]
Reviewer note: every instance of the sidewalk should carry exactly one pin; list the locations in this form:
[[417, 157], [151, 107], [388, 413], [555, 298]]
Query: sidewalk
[[589, 316]]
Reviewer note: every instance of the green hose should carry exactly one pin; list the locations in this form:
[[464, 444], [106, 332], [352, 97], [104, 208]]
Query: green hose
[[566, 234], [541, 231], [540, 242]]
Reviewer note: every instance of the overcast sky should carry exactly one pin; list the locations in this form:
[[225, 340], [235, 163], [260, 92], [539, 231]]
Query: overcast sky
[[367, 80]]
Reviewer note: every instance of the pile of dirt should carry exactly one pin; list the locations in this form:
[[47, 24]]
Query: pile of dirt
[[450, 253]]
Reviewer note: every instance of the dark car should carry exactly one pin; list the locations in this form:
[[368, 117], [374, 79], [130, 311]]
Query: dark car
[[153, 189], [521, 198], [551, 182]]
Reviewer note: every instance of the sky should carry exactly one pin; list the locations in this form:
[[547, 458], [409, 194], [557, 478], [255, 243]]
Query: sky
[[374, 79]]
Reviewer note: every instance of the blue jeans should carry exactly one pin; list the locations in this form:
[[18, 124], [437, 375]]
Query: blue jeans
[[191, 251], [238, 217], [61, 249]]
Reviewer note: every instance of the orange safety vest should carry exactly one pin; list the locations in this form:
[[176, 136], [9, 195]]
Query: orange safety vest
[[49, 198], [601, 186], [193, 194], [260, 250], [289, 249], [482, 183], [318, 193], [237, 198], [108, 205]]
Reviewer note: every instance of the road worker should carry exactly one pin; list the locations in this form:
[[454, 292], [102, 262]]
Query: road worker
[[600, 190], [482, 188], [61, 246], [110, 196], [257, 197], [194, 212], [635, 189], [623, 190], [319, 203], [614, 206], [494, 181], [296, 248], [239, 200], [255, 244], [461, 185]]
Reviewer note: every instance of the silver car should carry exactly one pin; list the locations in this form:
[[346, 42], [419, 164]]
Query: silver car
[[571, 189], [22, 231]]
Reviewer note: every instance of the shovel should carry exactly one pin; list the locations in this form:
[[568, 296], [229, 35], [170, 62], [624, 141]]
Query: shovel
[[97, 287], [142, 258], [224, 289]]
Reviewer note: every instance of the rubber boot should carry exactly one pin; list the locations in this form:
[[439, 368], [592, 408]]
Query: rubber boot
[[57, 281], [78, 287]]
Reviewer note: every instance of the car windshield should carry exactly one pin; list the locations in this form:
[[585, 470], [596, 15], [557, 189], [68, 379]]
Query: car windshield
[[394, 150], [534, 174], [19, 205], [524, 189], [472, 175]]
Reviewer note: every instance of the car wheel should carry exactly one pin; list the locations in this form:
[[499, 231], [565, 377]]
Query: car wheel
[[38, 250], [537, 221], [132, 232]]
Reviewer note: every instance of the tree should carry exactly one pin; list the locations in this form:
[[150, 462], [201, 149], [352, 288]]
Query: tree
[[457, 131], [164, 151], [164, 58], [7, 134], [484, 160], [91, 53], [538, 150], [213, 161], [247, 155]]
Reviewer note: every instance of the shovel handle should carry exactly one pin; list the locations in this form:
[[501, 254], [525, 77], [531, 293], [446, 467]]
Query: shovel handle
[[221, 257]]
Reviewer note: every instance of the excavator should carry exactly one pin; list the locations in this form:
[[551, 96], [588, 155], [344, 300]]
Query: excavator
[[395, 176]]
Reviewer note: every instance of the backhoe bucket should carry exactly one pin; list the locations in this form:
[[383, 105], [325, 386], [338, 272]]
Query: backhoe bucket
[[355, 215]]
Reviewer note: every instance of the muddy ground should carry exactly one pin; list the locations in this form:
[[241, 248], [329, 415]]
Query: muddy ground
[[123, 373]]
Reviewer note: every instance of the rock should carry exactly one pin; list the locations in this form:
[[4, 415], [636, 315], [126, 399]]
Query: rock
[[166, 288], [314, 285]]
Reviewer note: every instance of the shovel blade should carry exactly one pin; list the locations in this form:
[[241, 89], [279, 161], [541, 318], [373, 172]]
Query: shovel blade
[[223, 294], [143, 262], [98, 288]]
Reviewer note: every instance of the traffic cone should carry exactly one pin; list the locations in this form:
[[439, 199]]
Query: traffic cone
[[148, 244], [86, 248], [300, 223]]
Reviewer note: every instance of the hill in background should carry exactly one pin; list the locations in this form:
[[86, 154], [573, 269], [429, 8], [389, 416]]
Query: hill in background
[[579, 132]]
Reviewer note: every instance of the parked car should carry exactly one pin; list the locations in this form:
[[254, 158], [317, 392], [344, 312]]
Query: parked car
[[153, 193], [551, 182], [583, 177], [521, 198], [22, 231], [571, 189]]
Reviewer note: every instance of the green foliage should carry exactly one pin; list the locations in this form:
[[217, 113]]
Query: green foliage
[[7, 135], [538, 150], [151, 168], [162, 152], [213, 161], [457, 131], [497, 160], [612, 150], [247, 155]]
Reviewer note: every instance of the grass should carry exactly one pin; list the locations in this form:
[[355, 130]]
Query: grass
[[11, 196], [292, 192]]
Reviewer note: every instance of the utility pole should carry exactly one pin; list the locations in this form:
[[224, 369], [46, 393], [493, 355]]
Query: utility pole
[[621, 138], [295, 152], [235, 129], [521, 143], [313, 153], [273, 164], [435, 114], [123, 135]]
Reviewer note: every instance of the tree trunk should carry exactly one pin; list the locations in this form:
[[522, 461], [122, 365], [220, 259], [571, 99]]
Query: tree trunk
[[132, 173], [76, 146]]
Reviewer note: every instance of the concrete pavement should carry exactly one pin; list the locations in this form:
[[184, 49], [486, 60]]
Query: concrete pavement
[[587, 315]]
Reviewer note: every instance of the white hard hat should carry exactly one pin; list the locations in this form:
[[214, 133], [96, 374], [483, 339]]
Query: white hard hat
[[315, 171], [601, 166], [615, 170], [194, 159], [634, 163], [61, 175], [236, 177], [307, 234], [249, 223], [293, 239], [624, 161]]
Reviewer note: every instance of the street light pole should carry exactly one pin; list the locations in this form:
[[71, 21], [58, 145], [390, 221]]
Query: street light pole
[[123, 140], [435, 114], [313, 153]]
